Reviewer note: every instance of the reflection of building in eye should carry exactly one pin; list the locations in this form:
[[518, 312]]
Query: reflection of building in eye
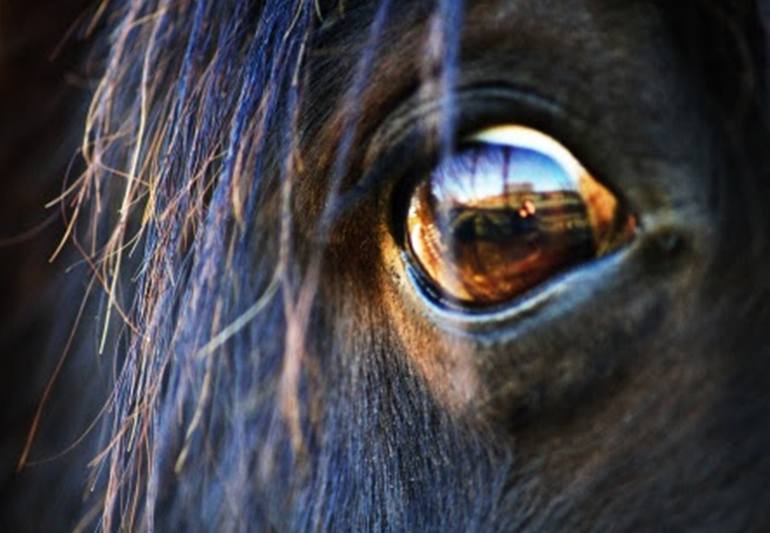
[[513, 195]]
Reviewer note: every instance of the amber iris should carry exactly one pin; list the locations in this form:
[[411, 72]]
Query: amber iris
[[510, 210]]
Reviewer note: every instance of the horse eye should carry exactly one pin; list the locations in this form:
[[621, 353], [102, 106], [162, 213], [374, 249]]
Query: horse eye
[[510, 210]]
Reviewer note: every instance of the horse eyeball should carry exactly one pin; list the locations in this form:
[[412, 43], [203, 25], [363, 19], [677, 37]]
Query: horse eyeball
[[510, 210]]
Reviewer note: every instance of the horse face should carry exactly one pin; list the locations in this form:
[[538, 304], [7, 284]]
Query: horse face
[[628, 388], [489, 265]]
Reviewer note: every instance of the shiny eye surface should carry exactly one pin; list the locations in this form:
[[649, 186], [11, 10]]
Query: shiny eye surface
[[510, 210]]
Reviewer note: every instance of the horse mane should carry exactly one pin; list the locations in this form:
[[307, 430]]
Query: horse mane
[[184, 214]]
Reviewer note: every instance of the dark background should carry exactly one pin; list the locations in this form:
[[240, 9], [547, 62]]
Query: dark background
[[43, 93]]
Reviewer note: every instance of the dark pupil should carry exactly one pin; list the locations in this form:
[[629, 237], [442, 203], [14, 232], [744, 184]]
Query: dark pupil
[[499, 221]]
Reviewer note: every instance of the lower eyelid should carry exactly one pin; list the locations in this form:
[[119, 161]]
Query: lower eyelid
[[497, 324]]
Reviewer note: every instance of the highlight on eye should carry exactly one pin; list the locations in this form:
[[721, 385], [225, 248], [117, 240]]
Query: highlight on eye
[[510, 210]]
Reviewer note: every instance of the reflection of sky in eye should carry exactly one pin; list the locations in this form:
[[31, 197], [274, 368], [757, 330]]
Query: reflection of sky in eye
[[490, 170]]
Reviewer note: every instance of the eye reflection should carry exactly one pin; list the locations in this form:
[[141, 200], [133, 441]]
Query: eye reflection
[[510, 210]]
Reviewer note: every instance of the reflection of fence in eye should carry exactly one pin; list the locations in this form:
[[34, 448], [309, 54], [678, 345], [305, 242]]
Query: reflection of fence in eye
[[560, 211], [524, 214]]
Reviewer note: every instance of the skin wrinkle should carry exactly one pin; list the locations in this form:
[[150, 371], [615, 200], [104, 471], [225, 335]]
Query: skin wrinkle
[[630, 397]]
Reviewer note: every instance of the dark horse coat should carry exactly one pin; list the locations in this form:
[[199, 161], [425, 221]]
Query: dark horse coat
[[230, 337]]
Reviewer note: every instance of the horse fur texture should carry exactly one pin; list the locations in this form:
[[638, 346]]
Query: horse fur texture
[[235, 345]]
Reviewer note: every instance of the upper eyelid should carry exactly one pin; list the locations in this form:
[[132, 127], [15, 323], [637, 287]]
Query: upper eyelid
[[409, 114], [405, 118]]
